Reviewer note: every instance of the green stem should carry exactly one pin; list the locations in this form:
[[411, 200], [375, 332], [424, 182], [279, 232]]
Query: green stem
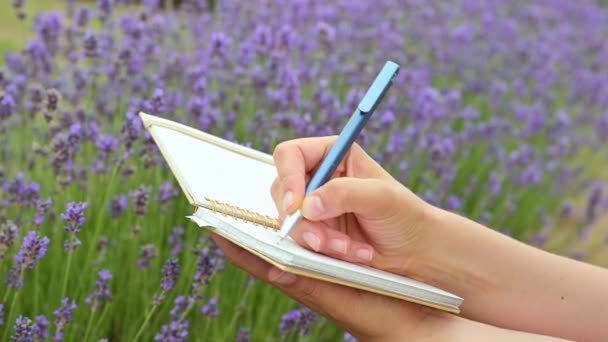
[[100, 213], [36, 301], [143, 325], [67, 269], [10, 316], [103, 315], [86, 334]]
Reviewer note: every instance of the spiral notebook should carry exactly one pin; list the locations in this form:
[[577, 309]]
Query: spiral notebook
[[229, 186]]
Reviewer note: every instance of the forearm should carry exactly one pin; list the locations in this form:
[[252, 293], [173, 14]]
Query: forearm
[[512, 285], [446, 327]]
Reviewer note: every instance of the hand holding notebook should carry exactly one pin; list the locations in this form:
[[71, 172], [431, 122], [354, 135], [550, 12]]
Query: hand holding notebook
[[229, 185]]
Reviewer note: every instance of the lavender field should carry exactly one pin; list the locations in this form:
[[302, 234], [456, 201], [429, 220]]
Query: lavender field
[[500, 113]]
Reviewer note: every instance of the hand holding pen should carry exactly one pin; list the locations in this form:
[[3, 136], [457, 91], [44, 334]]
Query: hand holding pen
[[349, 134]]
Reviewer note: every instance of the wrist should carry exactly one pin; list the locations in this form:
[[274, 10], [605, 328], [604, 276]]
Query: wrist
[[455, 255]]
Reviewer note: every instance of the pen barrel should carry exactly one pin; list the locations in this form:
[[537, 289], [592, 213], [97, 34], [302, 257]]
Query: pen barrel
[[335, 155]]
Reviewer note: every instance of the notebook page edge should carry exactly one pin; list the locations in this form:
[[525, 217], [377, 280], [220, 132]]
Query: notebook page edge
[[151, 120], [450, 303]]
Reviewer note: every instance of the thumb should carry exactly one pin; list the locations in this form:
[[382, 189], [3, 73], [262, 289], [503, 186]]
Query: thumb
[[370, 197]]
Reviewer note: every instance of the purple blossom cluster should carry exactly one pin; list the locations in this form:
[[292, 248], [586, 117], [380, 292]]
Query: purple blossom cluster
[[102, 291], [32, 249], [297, 321], [63, 316], [177, 329], [170, 273], [8, 233], [210, 308], [74, 217], [26, 330], [244, 335]]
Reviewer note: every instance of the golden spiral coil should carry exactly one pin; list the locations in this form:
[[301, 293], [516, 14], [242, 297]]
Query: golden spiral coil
[[245, 215]]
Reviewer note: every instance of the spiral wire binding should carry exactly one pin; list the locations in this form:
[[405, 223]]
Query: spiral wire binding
[[245, 215]]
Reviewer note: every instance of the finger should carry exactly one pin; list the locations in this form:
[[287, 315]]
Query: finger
[[276, 192], [322, 239], [295, 158], [370, 198]]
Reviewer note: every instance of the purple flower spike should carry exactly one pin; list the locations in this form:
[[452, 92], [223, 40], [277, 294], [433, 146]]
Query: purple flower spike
[[42, 208], [167, 192], [299, 321], [64, 315], [118, 205], [1, 314], [148, 252], [170, 273], [243, 336], [32, 250], [74, 216], [7, 106], [8, 233], [141, 197], [101, 292], [176, 331], [176, 239], [24, 330], [41, 329], [210, 309]]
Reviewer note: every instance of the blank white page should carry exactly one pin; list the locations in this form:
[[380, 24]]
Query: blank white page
[[205, 167]]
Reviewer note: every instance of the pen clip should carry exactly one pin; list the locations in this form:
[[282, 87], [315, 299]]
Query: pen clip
[[378, 88]]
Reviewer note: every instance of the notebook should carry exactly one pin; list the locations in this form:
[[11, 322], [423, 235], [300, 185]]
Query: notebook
[[229, 186]]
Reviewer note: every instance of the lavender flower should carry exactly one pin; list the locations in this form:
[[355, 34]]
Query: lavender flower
[[205, 268], [8, 233], [74, 216], [210, 309], [299, 321], [177, 329], [141, 197], [64, 315], [244, 335], [41, 328], [32, 250], [118, 205], [176, 240], [1, 314], [24, 330], [167, 192], [148, 252], [7, 106], [101, 292], [170, 274], [52, 103], [42, 208]]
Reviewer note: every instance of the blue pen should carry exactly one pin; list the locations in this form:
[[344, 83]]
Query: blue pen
[[351, 131]]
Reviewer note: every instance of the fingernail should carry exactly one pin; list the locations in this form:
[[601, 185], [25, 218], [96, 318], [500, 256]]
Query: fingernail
[[313, 206], [287, 200], [312, 240], [282, 278], [338, 245], [364, 254]]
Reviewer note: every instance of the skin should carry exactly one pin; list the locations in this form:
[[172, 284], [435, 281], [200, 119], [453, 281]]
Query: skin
[[512, 291]]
